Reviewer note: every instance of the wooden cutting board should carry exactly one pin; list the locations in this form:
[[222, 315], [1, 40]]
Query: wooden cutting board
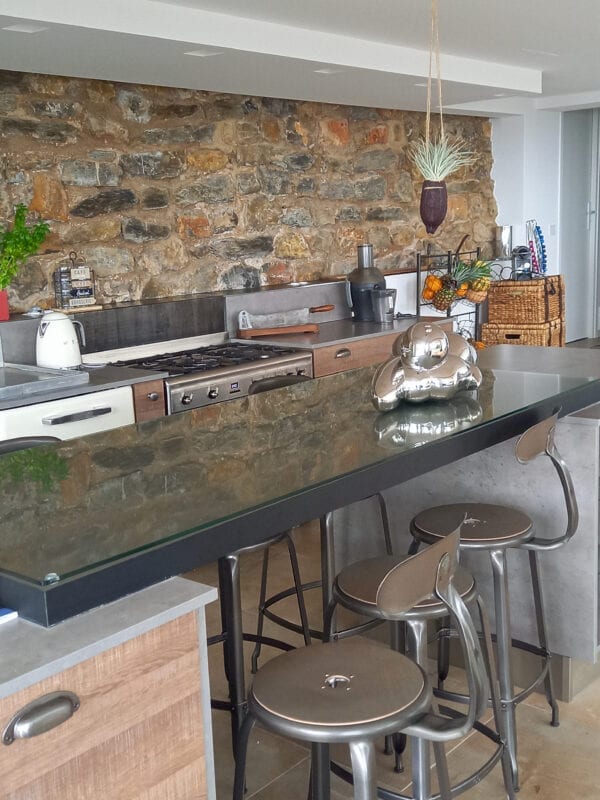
[[253, 333]]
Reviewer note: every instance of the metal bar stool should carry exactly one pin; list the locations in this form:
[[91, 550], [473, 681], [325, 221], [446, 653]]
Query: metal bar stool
[[495, 528], [325, 583], [232, 635], [357, 587], [355, 690]]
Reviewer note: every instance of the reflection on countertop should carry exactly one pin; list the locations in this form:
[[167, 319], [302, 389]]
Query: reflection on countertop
[[131, 488]]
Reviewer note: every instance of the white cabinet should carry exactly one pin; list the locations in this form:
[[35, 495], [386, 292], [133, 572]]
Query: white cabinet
[[70, 417]]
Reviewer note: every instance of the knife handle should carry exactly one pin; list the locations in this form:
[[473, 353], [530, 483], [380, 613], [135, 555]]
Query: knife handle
[[319, 309]]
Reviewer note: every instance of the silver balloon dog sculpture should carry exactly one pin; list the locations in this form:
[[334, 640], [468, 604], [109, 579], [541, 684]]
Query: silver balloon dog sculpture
[[428, 364]]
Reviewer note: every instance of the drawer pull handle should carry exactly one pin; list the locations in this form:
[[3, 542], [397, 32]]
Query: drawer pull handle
[[152, 396], [40, 716], [77, 416], [343, 353]]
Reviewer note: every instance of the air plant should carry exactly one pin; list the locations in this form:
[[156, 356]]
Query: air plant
[[437, 158]]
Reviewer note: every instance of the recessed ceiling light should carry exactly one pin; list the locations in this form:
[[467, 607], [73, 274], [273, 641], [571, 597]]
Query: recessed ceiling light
[[205, 53], [23, 27], [539, 52], [499, 94], [419, 84], [328, 71]]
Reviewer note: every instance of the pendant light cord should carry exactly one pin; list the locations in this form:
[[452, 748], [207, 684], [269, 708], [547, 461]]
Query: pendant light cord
[[434, 48]]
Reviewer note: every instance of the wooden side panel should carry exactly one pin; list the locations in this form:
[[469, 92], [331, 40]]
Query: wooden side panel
[[137, 734], [149, 400]]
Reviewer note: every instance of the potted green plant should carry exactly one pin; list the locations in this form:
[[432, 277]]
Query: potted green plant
[[436, 159], [17, 244]]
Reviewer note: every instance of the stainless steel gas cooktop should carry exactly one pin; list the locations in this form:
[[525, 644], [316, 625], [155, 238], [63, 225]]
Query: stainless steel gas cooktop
[[201, 376]]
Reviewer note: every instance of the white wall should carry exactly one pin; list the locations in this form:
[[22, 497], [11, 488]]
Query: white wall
[[526, 172]]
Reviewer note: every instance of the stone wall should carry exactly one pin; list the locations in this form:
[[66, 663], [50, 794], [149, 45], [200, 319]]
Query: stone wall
[[169, 191]]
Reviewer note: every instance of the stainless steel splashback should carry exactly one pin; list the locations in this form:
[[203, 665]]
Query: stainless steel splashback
[[285, 298]]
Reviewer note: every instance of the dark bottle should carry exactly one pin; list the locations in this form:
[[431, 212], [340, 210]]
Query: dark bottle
[[361, 281]]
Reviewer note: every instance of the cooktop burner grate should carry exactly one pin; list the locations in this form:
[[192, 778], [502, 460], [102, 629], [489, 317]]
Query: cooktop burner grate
[[203, 359]]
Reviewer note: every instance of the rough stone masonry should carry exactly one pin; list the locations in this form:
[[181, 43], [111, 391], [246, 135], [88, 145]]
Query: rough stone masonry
[[169, 191]]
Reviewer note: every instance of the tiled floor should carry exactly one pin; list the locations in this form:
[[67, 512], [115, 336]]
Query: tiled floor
[[556, 763]]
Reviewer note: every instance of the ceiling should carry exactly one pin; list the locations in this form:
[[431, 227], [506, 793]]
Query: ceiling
[[496, 57]]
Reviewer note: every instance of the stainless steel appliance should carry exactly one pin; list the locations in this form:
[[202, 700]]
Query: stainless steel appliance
[[204, 375], [361, 282]]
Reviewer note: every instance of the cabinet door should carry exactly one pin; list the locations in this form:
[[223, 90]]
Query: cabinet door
[[137, 735], [149, 400]]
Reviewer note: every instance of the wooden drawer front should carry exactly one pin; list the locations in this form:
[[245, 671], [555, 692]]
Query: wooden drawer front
[[327, 360], [149, 400], [137, 735]]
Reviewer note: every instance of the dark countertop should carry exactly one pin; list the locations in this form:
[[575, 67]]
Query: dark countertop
[[122, 509], [566, 360], [100, 378]]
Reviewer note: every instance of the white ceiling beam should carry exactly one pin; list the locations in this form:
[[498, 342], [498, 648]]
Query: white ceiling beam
[[156, 20]]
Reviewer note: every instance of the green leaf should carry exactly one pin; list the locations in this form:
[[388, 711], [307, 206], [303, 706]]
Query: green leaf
[[436, 159], [18, 243]]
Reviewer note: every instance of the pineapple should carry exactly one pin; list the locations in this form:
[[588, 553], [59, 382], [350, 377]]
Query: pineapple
[[454, 285], [444, 297], [480, 282]]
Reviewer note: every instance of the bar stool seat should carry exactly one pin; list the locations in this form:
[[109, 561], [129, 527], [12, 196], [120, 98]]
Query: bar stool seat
[[356, 586], [483, 525]]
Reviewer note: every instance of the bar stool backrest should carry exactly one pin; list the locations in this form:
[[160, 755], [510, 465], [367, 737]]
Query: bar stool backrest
[[430, 572], [25, 442], [539, 440]]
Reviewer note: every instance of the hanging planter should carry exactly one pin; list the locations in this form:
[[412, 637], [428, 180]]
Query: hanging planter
[[436, 159], [434, 204]]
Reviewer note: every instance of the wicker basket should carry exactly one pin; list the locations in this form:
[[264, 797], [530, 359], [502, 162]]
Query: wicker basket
[[544, 334], [534, 301]]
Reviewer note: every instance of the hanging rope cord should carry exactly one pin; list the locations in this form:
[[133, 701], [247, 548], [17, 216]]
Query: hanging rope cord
[[434, 47]]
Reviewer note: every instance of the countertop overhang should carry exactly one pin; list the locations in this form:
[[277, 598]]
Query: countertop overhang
[[166, 496]]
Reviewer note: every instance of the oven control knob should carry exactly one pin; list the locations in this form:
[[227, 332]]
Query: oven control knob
[[186, 399], [213, 392]]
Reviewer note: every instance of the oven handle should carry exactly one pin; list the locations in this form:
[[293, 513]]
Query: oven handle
[[77, 416]]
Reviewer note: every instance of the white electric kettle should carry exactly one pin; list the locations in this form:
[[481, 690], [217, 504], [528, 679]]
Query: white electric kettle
[[57, 345]]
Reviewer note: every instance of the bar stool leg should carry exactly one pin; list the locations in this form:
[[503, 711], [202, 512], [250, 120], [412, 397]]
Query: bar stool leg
[[362, 756], [231, 615], [542, 635], [421, 763], [488, 654], [503, 641], [298, 587], [396, 743], [261, 610], [327, 562], [239, 781], [442, 771], [320, 788]]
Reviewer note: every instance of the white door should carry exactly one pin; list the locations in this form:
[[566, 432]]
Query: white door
[[578, 194]]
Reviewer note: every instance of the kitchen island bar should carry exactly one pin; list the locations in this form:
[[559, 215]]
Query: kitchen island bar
[[90, 520]]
